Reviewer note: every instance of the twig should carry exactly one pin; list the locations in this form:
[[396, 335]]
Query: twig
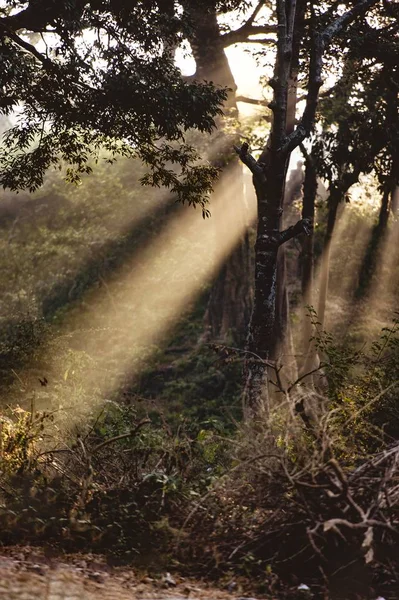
[[122, 436], [321, 365]]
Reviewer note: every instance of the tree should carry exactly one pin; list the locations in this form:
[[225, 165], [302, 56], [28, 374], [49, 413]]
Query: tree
[[102, 77], [269, 171], [358, 118], [363, 139]]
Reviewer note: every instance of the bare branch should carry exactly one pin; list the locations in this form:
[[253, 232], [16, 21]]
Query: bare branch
[[263, 41], [248, 28], [241, 35], [255, 101], [307, 374], [254, 14], [261, 29], [248, 160], [122, 436], [303, 226]]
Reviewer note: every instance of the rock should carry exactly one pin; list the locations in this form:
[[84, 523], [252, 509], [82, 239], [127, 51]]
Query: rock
[[231, 586], [168, 580], [97, 577], [39, 569], [305, 590]]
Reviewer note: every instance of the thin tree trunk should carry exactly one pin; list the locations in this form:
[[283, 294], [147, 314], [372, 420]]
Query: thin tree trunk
[[337, 196], [370, 258], [307, 254], [395, 200], [333, 202], [283, 330]]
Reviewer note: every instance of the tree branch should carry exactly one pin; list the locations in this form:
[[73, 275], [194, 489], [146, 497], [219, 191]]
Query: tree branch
[[263, 41], [248, 160], [248, 28], [241, 35], [321, 41], [25, 45], [30, 19], [254, 14], [122, 436], [255, 101], [303, 226]]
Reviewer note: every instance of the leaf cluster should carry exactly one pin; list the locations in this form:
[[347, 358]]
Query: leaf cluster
[[105, 78]]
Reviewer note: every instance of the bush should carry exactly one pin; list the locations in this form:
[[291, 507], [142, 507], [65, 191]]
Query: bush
[[121, 485], [314, 499]]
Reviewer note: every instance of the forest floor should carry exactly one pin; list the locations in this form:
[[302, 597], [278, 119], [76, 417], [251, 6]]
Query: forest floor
[[28, 573]]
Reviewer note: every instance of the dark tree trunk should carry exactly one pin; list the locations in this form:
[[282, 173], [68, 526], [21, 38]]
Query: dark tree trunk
[[229, 306], [333, 202], [370, 258], [338, 192], [208, 49], [230, 301], [395, 200], [269, 174], [307, 254], [283, 328]]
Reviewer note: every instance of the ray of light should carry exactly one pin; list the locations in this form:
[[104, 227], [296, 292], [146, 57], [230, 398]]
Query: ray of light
[[117, 327], [349, 245], [377, 309]]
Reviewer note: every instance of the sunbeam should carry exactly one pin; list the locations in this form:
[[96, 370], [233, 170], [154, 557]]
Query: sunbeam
[[116, 328], [377, 308]]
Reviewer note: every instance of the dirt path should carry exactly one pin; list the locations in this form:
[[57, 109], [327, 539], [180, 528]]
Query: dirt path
[[28, 574]]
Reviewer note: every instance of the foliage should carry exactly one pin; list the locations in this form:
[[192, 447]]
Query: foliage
[[362, 391], [118, 483], [359, 115], [321, 495], [104, 77]]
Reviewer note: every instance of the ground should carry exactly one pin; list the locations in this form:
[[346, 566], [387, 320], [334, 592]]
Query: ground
[[31, 574]]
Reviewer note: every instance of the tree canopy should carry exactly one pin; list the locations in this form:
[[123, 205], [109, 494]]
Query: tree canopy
[[81, 76]]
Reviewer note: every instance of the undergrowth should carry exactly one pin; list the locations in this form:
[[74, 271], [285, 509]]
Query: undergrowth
[[283, 498]]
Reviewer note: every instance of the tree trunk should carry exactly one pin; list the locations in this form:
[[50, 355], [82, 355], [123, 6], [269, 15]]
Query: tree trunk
[[338, 192], [267, 323], [230, 301], [269, 181], [333, 202], [370, 258], [208, 50], [307, 254], [283, 330], [261, 338], [395, 200]]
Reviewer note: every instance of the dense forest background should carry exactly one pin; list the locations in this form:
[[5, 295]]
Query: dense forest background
[[128, 419]]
